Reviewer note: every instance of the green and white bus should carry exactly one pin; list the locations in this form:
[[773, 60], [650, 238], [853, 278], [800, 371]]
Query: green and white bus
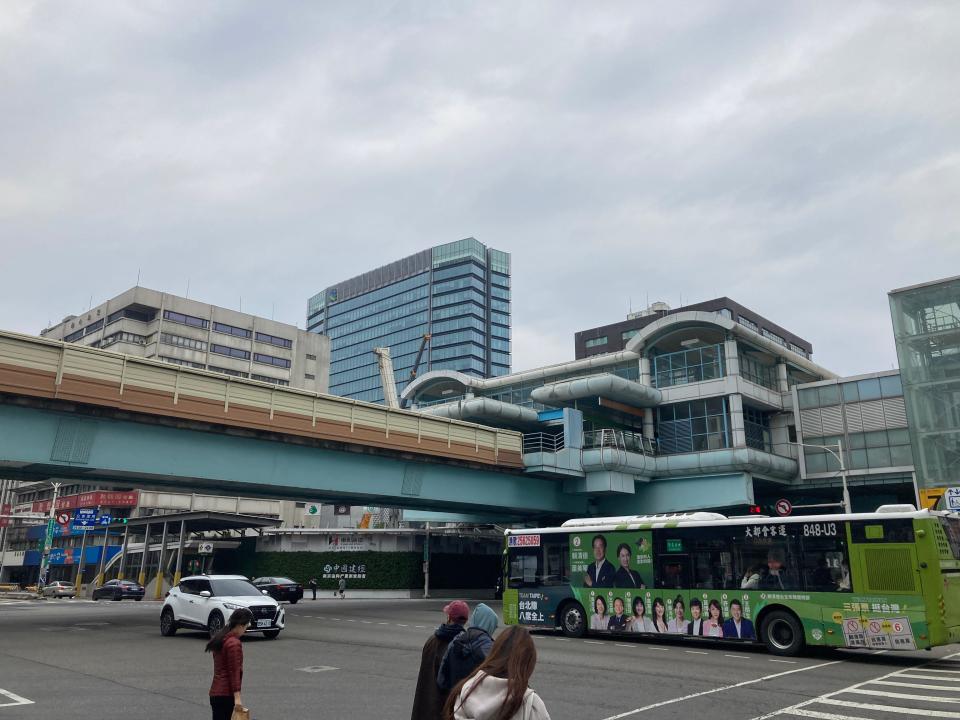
[[883, 580]]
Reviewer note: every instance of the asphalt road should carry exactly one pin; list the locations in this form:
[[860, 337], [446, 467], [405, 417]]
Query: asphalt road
[[358, 659]]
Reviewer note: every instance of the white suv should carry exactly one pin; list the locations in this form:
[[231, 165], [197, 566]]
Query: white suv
[[205, 602]]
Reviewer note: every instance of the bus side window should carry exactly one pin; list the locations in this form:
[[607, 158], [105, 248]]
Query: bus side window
[[557, 570], [825, 565], [526, 567], [673, 572]]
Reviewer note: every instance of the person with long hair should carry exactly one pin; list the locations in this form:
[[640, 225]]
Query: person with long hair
[[659, 616], [498, 689], [599, 620], [713, 625], [228, 664], [641, 623]]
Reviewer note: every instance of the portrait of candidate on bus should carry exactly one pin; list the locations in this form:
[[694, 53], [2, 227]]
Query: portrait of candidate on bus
[[625, 577], [599, 620], [600, 572], [618, 621], [737, 626], [640, 622]]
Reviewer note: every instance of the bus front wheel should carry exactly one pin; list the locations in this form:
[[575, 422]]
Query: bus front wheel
[[782, 633], [573, 620]]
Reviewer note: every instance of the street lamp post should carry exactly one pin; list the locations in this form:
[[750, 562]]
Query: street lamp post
[[838, 454], [47, 540]]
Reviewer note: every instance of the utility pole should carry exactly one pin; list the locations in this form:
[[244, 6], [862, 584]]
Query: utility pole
[[48, 540], [426, 563]]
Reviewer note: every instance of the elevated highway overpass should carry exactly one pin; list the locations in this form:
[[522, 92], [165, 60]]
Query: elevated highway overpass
[[75, 412]]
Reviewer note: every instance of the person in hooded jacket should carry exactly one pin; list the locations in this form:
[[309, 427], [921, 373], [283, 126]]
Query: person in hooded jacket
[[468, 649], [498, 689], [429, 699]]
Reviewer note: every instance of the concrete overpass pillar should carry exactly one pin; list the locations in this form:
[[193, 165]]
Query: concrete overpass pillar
[[142, 578], [123, 553], [183, 533], [158, 593]]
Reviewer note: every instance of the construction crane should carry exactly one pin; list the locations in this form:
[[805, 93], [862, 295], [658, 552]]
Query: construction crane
[[387, 378]]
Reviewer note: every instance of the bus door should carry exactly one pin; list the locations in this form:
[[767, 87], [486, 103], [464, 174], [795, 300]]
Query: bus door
[[672, 579]]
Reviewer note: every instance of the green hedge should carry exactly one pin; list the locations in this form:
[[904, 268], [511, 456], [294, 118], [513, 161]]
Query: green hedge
[[384, 570]]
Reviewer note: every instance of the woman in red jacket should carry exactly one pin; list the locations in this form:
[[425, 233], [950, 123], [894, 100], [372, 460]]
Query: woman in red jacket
[[228, 664]]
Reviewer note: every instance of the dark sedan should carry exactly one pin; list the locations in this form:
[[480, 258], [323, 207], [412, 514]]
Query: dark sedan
[[118, 590], [280, 588]]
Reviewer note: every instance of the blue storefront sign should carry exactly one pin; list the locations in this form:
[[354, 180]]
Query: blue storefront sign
[[70, 556]]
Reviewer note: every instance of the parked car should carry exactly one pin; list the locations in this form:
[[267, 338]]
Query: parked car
[[118, 590], [205, 602], [280, 588], [59, 589]]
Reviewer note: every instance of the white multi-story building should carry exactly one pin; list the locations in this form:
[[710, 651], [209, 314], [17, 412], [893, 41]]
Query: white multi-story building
[[174, 329]]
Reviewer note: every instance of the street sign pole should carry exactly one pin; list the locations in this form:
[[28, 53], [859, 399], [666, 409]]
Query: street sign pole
[[47, 541]]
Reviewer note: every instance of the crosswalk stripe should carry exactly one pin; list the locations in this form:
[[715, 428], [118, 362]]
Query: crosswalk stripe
[[803, 712], [920, 686], [902, 696], [891, 708], [939, 678]]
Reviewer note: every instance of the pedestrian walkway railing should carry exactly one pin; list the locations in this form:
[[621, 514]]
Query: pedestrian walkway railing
[[542, 442]]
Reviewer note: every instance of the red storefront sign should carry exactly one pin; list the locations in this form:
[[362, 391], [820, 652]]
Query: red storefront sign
[[5, 509], [91, 499]]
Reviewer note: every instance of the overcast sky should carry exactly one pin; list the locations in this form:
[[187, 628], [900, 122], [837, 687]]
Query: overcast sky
[[800, 158]]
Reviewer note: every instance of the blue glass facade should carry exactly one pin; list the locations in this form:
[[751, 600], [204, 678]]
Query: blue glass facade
[[459, 293]]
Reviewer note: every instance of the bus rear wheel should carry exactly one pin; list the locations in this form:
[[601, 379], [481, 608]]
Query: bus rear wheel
[[782, 633], [573, 620]]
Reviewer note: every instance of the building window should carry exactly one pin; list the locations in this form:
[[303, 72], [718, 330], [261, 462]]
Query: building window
[[184, 363], [627, 334], [184, 342], [124, 337], [185, 319], [231, 330], [693, 426], [311, 357], [270, 360], [227, 371], [596, 342], [74, 336], [724, 312], [688, 366], [756, 426], [130, 313], [274, 340], [308, 376], [799, 350], [749, 324], [773, 336], [229, 351], [272, 380]]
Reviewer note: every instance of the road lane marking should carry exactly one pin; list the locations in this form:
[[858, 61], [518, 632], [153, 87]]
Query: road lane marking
[[697, 652], [625, 645], [15, 699], [738, 657], [594, 642], [317, 668], [654, 647], [938, 678], [712, 691], [791, 662]]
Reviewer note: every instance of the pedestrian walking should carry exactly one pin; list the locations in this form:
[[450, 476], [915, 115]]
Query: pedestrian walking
[[228, 665], [313, 587], [468, 649], [499, 689], [342, 587], [429, 699]]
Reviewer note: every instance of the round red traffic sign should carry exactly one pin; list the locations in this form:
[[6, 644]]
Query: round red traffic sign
[[63, 518], [783, 507]]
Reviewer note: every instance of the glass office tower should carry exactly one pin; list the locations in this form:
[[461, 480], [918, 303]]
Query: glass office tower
[[458, 293], [926, 328]]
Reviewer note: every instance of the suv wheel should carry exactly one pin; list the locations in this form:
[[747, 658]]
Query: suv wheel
[[168, 623], [215, 623]]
